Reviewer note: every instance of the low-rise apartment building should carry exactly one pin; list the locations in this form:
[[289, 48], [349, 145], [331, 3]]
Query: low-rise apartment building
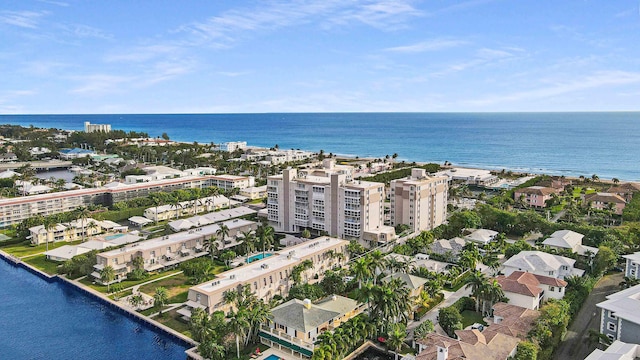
[[606, 201], [185, 208], [71, 231], [419, 200], [169, 250], [535, 196], [620, 316], [270, 276]]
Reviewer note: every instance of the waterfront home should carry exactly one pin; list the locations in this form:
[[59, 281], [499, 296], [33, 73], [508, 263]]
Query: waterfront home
[[65, 252], [530, 290], [294, 326], [606, 201], [167, 251], [569, 240], [541, 263], [9, 174], [184, 208], [620, 315], [271, 276], [8, 157], [498, 341], [479, 177], [482, 236], [618, 350], [29, 188], [71, 231], [419, 200], [535, 196]]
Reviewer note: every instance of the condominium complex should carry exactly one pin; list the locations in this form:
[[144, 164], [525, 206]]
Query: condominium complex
[[326, 199], [170, 250], [270, 276], [419, 201], [89, 127]]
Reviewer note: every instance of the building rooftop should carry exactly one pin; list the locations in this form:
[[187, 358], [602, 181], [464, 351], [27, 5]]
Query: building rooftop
[[287, 257], [618, 350], [624, 304], [305, 316], [531, 261]]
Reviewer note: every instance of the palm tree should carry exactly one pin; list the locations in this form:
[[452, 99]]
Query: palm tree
[[222, 233], [82, 213], [493, 293], [477, 283], [138, 262], [248, 239], [175, 204], [107, 275], [237, 325], [376, 263], [361, 270], [266, 235], [396, 337], [212, 246], [160, 298], [49, 225]]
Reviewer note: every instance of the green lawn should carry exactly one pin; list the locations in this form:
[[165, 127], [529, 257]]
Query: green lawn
[[21, 250], [172, 320], [471, 317], [41, 262], [126, 283]]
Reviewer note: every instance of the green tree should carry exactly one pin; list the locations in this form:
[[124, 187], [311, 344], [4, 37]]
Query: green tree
[[237, 325], [107, 275], [361, 270], [604, 260], [306, 233], [423, 329], [160, 298], [396, 337], [526, 351], [450, 320]]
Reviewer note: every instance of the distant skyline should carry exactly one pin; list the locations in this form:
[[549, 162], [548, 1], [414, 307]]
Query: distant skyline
[[202, 56]]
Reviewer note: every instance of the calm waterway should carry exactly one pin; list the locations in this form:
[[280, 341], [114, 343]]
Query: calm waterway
[[42, 320]]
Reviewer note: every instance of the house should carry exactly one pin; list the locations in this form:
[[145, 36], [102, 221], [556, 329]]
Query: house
[[295, 325], [8, 157], [606, 201], [535, 196], [75, 153], [65, 252], [570, 240], [620, 315], [618, 350], [530, 290], [419, 260], [451, 247], [632, 266], [541, 263], [498, 341], [414, 283], [8, 174], [625, 190], [482, 236]]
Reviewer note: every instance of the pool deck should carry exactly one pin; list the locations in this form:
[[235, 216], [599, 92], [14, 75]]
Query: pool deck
[[278, 353]]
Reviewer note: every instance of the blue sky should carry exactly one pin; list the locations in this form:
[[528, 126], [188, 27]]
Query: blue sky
[[204, 56]]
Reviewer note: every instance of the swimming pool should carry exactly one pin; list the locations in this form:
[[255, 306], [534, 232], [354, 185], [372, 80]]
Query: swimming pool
[[113, 237], [257, 257], [272, 357]]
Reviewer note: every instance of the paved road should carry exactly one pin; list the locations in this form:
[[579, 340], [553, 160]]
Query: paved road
[[575, 344]]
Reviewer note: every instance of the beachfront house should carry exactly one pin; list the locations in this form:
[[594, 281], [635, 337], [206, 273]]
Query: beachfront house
[[295, 325], [606, 201], [535, 196]]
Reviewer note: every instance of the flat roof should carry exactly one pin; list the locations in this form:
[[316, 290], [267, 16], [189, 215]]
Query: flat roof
[[277, 261]]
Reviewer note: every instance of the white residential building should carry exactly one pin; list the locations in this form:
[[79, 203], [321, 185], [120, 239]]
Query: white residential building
[[232, 146], [419, 200], [542, 263], [89, 127], [482, 236], [632, 266], [531, 290], [71, 231], [570, 240], [184, 208], [326, 200], [618, 350]]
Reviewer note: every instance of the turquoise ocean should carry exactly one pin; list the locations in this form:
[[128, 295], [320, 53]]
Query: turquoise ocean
[[571, 144]]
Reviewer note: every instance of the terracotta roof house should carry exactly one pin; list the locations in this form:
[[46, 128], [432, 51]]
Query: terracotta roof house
[[498, 341], [535, 196], [530, 290], [571, 240], [604, 201], [542, 263], [625, 190]]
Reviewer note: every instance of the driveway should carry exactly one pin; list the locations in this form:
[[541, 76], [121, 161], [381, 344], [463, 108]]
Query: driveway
[[575, 344]]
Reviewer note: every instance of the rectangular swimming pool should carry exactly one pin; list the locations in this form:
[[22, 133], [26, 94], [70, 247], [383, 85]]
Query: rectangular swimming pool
[[272, 357], [257, 257], [113, 237]]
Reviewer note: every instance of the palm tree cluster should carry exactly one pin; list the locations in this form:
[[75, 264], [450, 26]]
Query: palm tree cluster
[[336, 344], [485, 291], [246, 315]]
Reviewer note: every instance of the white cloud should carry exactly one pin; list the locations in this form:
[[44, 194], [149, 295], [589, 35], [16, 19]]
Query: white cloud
[[23, 19], [143, 53], [234, 73], [596, 80], [52, 2], [99, 84], [429, 45]]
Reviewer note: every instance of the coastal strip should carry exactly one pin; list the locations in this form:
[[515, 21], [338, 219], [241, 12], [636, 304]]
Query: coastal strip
[[179, 337]]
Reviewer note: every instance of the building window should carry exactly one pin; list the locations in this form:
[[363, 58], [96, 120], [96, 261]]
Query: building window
[[611, 337], [611, 326], [612, 315], [552, 289]]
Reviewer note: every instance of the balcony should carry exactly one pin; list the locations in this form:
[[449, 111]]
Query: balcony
[[286, 340]]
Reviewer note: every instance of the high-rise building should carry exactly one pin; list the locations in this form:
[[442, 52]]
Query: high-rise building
[[327, 200], [419, 200], [89, 127]]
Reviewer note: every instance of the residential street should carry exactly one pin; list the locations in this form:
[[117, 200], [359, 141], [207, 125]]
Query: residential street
[[575, 344]]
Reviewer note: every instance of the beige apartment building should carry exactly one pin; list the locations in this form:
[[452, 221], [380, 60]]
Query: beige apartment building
[[169, 250], [270, 276], [327, 200], [419, 200]]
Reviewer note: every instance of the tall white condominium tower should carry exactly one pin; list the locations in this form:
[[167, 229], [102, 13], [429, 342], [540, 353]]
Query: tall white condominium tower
[[326, 199], [419, 200], [89, 127]]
